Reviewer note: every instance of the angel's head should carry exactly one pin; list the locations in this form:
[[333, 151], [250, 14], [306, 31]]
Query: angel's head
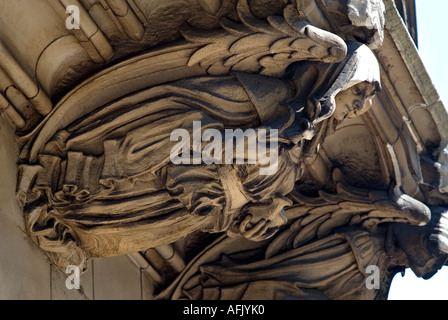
[[354, 101], [361, 80], [349, 84]]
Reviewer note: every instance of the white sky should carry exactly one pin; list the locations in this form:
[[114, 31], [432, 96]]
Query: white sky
[[431, 17]]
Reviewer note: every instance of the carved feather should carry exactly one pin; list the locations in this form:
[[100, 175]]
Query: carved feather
[[266, 46], [210, 6], [314, 218]]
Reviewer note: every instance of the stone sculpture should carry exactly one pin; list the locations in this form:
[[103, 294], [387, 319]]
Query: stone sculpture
[[136, 155], [133, 166], [327, 266]]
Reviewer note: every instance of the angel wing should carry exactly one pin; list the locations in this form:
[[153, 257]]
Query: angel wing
[[315, 218], [263, 46]]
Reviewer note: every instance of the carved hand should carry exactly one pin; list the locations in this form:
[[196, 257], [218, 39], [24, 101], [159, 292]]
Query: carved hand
[[261, 221]]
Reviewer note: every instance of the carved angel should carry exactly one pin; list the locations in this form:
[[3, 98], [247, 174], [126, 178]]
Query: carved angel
[[108, 176], [103, 183]]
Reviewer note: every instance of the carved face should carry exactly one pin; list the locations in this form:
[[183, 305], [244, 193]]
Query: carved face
[[354, 101]]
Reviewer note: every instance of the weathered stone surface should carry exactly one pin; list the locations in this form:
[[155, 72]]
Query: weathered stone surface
[[226, 146]]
